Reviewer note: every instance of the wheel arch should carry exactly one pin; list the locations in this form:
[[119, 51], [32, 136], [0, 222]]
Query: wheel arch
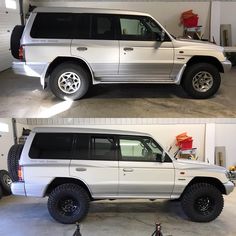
[[60, 60], [206, 59], [66, 180], [208, 180]]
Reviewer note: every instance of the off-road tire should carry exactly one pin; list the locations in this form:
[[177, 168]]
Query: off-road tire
[[192, 71], [83, 75], [195, 193], [15, 40], [64, 193], [13, 161], [5, 182]]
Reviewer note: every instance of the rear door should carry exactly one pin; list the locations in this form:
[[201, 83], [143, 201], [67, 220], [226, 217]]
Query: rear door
[[96, 43], [95, 163]]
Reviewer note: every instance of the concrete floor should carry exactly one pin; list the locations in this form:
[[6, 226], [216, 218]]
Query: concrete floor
[[23, 97], [29, 216]]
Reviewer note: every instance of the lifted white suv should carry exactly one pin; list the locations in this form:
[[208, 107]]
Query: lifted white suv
[[71, 48], [75, 166]]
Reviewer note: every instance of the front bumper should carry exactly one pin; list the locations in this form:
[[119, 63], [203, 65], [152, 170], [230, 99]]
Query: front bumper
[[229, 187], [18, 188], [227, 65]]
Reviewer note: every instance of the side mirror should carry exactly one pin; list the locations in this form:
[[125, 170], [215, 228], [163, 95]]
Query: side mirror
[[163, 35], [161, 157]]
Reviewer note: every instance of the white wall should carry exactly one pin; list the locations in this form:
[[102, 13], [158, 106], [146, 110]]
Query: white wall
[[167, 12], [6, 141], [228, 10], [226, 136]]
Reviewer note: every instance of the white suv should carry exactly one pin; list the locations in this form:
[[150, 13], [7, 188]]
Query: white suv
[[75, 166], [72, 48]]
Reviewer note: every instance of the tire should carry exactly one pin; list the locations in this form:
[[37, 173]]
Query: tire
[[79, 74], [15, 40], [13, 161], [197, 72], [202, 202], [5, 182], [70, 194]]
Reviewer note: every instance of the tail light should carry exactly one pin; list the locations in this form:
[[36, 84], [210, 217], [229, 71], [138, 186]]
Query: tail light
[[21, 53], [20, 173]]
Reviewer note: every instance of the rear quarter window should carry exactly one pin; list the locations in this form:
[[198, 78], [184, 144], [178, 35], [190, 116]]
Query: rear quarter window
[[51, 146], [54, 25]]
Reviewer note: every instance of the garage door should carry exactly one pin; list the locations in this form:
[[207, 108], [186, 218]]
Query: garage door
[[9, 17]]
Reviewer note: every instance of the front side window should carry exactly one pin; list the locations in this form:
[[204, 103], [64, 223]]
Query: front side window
[[139, 149], [54, 26], [51, 146], [139, 28]]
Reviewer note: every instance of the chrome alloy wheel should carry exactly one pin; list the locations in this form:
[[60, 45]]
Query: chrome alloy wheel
[[203, 81], [69, 82]]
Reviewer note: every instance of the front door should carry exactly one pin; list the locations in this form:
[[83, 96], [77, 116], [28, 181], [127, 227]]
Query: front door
[[143, 55], [95, 43], [141, 170]]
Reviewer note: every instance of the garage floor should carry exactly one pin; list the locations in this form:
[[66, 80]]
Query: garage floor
[[28, 216], [23, 97]]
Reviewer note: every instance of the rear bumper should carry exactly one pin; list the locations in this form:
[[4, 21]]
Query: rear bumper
[[31, 69], [18, 188], [229, 187], [227, 65]]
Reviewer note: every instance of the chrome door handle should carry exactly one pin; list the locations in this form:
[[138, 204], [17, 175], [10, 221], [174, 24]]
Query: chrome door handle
[[80, 169], [128, 49], [82, 48], [128, 170]]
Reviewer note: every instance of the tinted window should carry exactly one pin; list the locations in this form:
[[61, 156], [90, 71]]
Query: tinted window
[[83, 28], [139, 149], [90, 147], [139, 28], [51, 146], [54, 25], [103, 27]]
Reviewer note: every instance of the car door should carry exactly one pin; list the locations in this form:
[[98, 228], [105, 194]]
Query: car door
[[95, 43], [141, 170], [95, 163], [143, 55]]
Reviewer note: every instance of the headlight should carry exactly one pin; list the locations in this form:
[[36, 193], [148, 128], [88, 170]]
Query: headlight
[[228, 174]]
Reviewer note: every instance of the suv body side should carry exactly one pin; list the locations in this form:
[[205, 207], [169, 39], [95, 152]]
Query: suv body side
[[115, 175]]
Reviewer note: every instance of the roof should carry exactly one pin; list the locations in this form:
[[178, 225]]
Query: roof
[[87, 10], [85, 130]]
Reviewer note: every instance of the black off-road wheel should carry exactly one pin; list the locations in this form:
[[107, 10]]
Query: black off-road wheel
[[5, 182], [15, 40], [13, 161], [201, 80], [202, 202], [69, 81], [68, 203]]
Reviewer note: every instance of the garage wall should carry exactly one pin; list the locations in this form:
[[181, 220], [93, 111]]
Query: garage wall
[[6, 141], [227, 16], [167, 12], [226, 136], [8, 19]]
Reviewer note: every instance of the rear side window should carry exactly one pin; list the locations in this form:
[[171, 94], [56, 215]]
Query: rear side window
[[92, 147], [51, 146], [54, 25]]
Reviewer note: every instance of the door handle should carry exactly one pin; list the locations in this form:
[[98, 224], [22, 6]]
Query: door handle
[[80, 169], [128, 170], [128, 49], [82, 49]]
